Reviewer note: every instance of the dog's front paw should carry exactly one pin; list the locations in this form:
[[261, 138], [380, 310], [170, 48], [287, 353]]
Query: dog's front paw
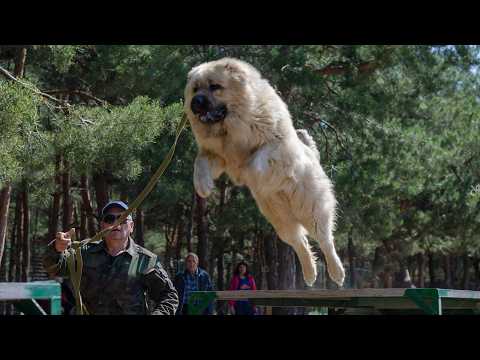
[[309, 276], [203, 184], [336, 272]]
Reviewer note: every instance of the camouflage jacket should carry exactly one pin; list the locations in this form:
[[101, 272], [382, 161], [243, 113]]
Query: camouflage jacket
[[133, 282]]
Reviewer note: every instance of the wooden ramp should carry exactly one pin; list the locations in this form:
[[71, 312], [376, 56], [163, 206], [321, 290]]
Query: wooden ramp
[[427, 301]]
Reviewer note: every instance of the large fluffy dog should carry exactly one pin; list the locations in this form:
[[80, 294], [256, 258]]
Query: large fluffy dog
[[243, 128]]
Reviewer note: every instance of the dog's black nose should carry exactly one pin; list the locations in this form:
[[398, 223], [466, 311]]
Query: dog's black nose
[[199, 104]]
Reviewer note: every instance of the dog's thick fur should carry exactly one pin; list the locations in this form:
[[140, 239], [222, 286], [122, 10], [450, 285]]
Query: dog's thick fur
[[257, 146]]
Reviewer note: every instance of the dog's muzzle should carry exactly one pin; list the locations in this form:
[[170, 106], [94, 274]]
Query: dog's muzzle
[[207, 114]]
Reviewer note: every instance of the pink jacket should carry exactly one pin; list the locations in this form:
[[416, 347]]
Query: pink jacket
[[236, 281]]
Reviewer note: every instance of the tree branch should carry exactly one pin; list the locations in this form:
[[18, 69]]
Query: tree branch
[[326, 142], [366, 67], [316, 118], [79, 93], [31, 87], [454, 170]]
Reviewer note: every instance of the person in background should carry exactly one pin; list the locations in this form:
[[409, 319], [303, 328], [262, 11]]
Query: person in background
[[242, 280], [192, 279]]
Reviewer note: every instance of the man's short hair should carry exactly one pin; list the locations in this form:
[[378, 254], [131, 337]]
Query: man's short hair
[[191, 254]]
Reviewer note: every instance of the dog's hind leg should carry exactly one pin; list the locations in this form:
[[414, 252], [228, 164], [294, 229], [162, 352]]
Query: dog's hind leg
[[319, 223], [292, 233]]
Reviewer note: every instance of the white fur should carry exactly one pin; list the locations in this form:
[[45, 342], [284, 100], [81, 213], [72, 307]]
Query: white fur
[[257, 146]]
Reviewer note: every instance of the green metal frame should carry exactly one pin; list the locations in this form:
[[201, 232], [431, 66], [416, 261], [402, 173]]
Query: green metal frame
[[414, 300], [199, 301], [429, 300], [24, 296]]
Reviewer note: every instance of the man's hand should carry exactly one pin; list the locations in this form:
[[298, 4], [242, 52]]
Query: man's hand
[[63, 240]]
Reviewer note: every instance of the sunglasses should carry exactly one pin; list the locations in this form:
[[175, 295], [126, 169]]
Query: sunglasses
[[111, 218]]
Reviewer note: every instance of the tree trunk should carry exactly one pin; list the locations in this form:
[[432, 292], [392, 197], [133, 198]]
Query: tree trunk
[[454, 270], [87, 206], [447, 269], [270, 242], [220, 272], [83, 222], [67, 218], [26, 246], [258, 259], [139, 227], [101, 190], [55, 209], [431, 269], [4, 207], [466, 272], [19, 238], [181, 236], [202, 229], [77, 209], [299, 281], [170, 237], [191, 220], [421, 270], [476, 267], [212, 259], [3, 278], [286, 273], [21, 56], [13, 242], [351, 261]]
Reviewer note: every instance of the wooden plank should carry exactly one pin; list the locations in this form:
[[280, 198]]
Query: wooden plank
[[309, 294]]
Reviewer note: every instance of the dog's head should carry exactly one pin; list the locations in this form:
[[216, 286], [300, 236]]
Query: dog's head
[[217, 89]]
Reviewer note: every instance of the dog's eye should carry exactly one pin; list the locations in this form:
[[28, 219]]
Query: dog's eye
[[195, 89], [214, 87]]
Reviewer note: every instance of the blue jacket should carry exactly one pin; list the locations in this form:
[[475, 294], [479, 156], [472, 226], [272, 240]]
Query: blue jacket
[[204, 284]]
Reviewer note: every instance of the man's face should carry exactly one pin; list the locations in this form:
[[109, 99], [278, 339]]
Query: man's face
[[191, 264], [120, 232]]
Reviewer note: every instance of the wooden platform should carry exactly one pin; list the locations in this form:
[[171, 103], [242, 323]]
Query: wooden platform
[[428, 301]]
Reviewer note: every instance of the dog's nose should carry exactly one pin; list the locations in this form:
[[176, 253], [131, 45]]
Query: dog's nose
[[199, 104]]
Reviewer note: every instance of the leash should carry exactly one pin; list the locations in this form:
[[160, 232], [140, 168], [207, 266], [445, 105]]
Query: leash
[[75, 263]]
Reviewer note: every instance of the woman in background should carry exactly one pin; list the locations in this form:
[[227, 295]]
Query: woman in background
[[242, 280]]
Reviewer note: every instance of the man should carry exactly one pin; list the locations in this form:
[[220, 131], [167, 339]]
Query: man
[[119, 276], [192, 279]]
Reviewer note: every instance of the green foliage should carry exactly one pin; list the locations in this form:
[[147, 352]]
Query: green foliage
[[19, 130], [97, 138]]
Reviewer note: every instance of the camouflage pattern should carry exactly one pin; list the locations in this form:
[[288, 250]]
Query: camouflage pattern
[[133, 282]]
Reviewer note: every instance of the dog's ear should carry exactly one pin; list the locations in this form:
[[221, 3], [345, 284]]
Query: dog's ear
[[236, 72]]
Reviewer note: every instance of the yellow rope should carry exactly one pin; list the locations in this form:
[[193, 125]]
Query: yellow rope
[[75, 263]]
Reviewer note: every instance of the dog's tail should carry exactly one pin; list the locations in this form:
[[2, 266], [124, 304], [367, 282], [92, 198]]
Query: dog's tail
[[305, 137]]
